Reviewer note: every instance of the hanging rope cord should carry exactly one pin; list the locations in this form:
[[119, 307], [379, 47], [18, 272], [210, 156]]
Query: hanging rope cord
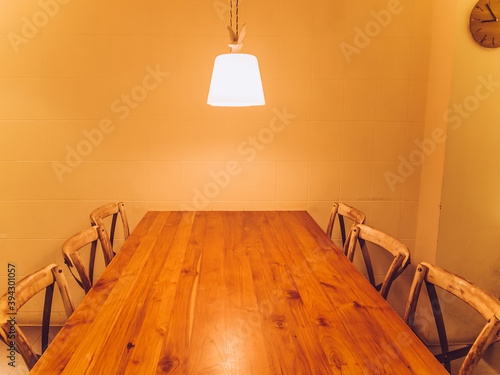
[[237, 16]]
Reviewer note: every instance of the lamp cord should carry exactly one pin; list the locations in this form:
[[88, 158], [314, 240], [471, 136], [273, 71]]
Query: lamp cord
[[237, 16]]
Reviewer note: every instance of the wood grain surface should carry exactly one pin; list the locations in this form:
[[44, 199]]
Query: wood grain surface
[[233, 293]]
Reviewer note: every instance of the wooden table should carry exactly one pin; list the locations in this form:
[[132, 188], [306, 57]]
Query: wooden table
[[233, 293]]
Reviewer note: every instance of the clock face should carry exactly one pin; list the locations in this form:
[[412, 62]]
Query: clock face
[[485, 23]]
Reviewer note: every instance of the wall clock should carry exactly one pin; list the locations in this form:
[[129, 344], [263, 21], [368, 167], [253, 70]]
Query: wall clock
[[485, 24]]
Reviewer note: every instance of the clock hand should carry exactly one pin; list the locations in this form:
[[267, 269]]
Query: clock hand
[[493, 14], [495, 20]]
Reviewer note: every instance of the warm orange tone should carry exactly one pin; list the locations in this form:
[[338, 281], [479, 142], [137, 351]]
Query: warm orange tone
[[41, 282], [458, 211], [114, 93], [106, 101], [84, 275], [234, 292], [483, 302], [344, 211], [362, 234]]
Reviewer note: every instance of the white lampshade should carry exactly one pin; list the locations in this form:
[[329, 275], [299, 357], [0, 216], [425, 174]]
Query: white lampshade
[[236, 81]]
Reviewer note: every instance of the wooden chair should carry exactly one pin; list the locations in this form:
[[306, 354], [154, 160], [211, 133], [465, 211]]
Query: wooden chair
[[483, 302], [72, 259], [24, 291], [343, 210], [363, 233], [99, 214]]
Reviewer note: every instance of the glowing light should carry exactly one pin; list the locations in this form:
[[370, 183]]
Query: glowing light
[[236, 81]]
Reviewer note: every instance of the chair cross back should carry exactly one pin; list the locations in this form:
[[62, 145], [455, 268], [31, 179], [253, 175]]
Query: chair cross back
[[363, 233], [25, 289], [111, 209], [343, 210], [484, 303], [72, 259]]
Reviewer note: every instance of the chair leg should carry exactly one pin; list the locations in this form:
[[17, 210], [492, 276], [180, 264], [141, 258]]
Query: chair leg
[[342, 229], [368, 261], [113, 226], [92, 261], [49, 293], [438, 317]]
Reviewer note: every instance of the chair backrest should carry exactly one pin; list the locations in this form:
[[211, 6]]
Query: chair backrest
[[23, 291], [114, 208], [343, 210], [484, 303], [363, 233], [75, 243]]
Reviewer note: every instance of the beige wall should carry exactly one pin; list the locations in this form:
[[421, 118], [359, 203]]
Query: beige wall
[[353, 120], [434, 137], [469, 239]]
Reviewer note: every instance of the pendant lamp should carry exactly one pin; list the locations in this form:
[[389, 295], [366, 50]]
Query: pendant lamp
[[236, 78]]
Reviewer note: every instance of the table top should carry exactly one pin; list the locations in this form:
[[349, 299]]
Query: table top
[[233, 293]]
